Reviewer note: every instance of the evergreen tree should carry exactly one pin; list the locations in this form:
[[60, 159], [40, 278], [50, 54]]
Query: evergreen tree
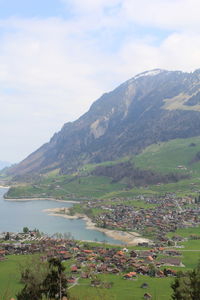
[[194, 278], [7, 236], [43, 279], [187, 286], [55, 284], [32, 292]]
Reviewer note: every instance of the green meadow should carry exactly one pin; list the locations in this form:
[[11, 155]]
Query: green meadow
[[10, 275], [159, 288], [126, 289], [175, 156], [166, 157]]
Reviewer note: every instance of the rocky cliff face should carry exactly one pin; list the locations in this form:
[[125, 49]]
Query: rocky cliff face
[[153, 106]]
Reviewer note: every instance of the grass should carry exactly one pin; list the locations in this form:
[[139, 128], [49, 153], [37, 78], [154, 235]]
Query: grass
[[130, 193], [162, 157], [193, 245], [10, 274], [65, 187], [159, 288], [191, 250], [187, 187], [122, 289], [132, 202], [190, 258], [167, 156], [186, 232]]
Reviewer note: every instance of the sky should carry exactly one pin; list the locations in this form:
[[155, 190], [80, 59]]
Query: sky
[[59, 56]]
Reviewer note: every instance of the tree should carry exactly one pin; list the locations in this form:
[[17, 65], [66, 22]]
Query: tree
[[30, 291], [187, 286], [7, 236], [25, 230], [179, 289], [152, 270], [55, 283], [33, 273], [43, 279], [194, 278]]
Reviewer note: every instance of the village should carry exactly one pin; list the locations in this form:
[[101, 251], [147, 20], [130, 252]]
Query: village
[[160, 216], [89, 260], [160, 258]]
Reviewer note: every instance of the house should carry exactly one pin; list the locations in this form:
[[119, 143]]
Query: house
[[130, 275], [71, 280], [74, 269], [133, 254], [150, 258], [160, 273], [147, 296], [171, 261]]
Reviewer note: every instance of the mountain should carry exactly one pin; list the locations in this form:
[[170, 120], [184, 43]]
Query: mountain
[[152, 107]]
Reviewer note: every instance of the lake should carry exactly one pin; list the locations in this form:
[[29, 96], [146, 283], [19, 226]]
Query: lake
[[16, 215]]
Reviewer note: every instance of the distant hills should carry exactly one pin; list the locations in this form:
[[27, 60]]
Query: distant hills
[[4, 164], [152, 107]]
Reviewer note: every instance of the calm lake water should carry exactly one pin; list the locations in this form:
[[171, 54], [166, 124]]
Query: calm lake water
[[16, 215]]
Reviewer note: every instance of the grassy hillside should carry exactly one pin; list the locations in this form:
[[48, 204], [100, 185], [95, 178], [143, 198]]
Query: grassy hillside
[[169, 156], [65, 187], [176, 156]]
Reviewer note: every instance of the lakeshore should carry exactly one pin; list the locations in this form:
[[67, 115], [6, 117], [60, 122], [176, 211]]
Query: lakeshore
[[17, 213], [129, 238], [38, 199]]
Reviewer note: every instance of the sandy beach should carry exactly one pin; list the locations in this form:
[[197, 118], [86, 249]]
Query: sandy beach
[[4, 187], [129, 238]]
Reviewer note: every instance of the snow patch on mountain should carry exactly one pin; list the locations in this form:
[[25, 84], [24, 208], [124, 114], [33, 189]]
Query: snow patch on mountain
[[149, 73]]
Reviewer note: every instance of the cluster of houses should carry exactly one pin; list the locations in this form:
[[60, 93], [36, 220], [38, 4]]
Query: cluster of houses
[[88, 260], [167, 215]]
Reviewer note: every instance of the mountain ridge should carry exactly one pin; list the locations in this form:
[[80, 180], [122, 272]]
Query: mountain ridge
[[151, 107]]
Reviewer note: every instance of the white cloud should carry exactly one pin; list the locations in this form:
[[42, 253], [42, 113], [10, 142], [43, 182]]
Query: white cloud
[[51, 70], [179, 51], [169, 14]]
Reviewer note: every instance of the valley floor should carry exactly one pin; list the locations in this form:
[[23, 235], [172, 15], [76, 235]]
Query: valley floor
[[158, 287]]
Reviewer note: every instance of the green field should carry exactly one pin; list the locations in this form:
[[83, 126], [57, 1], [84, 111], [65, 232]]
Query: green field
[[167, 156], [65, 187], [175, 156], [186, 232], [159, 288], [126, 289], [10, 275]]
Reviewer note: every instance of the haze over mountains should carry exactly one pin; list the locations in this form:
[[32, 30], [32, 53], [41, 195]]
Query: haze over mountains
[[4, 164], [151, 107]]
